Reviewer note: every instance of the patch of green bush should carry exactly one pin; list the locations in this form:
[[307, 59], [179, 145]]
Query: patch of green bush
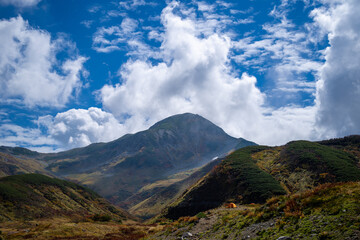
[[19, 182], [101, 218], [321, 159], [259, 184], [13, 193], [201, 215]]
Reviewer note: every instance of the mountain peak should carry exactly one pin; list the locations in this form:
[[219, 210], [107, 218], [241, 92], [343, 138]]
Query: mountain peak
[[184, 121], [120, 169]]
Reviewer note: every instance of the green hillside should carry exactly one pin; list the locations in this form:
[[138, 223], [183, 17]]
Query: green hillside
[[33, 196], [302, 165], [34, 206], [350, 144], [254, 174], [329, 211], [236, 178]]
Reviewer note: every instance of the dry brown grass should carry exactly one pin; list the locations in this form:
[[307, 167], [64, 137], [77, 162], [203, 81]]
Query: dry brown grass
[[63, 228]]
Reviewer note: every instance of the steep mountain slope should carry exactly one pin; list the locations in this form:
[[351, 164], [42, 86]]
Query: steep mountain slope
[[178, 142], [237, 178], [32, 196], [119, 169], [254, 174], [157, 198]]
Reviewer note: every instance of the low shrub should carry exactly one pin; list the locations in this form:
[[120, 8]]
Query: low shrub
[[101, 218]]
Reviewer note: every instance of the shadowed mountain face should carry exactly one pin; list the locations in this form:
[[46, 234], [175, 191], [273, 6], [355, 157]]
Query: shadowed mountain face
[[119, 169], [160, 196], [175, 143]]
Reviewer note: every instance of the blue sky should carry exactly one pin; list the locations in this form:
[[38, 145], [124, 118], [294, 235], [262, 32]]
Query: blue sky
[[74, 72]]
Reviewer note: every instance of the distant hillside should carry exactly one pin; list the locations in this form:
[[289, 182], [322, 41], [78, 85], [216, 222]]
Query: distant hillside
[[10, 165], [19, 151], [254, 174], [158, 196], [33, 196]]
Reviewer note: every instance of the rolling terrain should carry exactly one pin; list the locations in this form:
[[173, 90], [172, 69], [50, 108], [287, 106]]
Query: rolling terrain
[[300, 190], [255, 174], [34, 206], [303, 189], [135, 167], [33, 196]]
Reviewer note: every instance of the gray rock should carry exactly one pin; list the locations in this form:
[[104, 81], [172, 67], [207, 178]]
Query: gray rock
[[284, 238], [186, 235]]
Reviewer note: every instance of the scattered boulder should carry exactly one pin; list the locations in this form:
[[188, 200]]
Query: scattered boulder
[[186, 235], [284, 238]]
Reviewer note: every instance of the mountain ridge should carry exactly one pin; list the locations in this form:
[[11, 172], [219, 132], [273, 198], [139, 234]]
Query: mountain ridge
[[119, 169]]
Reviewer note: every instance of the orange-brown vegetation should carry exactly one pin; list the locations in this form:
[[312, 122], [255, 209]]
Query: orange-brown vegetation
[[230, 205]]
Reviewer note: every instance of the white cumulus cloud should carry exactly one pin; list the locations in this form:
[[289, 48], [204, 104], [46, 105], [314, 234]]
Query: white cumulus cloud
[[80, 127], [30, 72], [193, 73], [338, 91], [20, 3], [32, 138], [195, 76], [119, 35], [284, 52]]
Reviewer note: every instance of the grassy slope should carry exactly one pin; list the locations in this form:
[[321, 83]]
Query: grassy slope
[[62, 228], [34, 206], [256, 173], [321, 159], [302, 165], [329, 211], [350, 144], [237, 178], [32, 196]]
